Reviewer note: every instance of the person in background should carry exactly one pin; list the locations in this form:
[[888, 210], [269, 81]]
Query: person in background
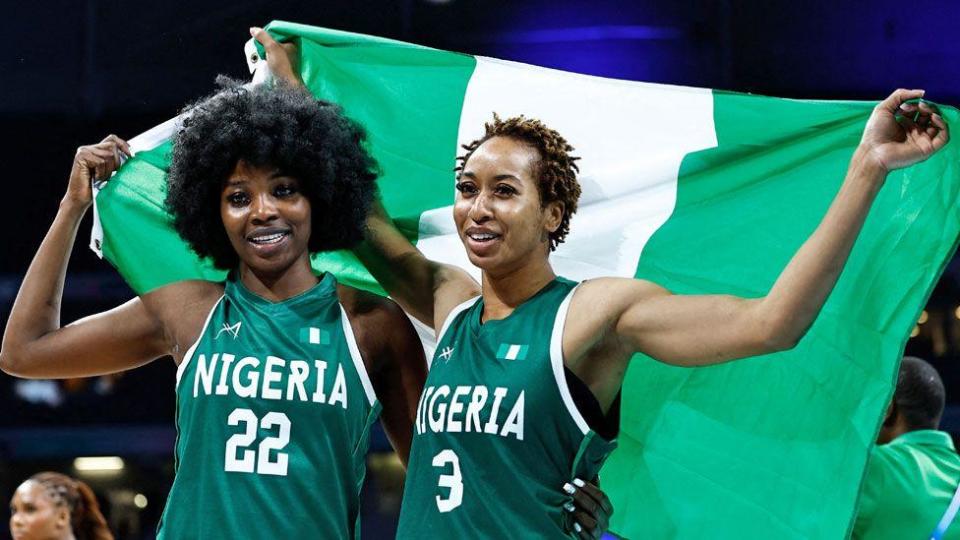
[[914, 470], [53, 506]]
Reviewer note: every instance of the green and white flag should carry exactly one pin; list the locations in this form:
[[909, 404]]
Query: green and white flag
[[701, 191]]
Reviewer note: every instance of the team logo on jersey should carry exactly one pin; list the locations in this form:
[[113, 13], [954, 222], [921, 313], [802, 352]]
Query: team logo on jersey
[[232, 329], [314, 336], [511, 351], [446, 354]]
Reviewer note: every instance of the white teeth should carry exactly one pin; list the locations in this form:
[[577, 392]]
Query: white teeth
[[483, 237], [268, 239]]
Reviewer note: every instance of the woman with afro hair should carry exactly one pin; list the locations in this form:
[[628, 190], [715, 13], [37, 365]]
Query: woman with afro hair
[[280, 372]]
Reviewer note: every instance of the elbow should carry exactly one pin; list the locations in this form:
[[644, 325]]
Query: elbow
[[779, 336], [9, 362], [13, 361]]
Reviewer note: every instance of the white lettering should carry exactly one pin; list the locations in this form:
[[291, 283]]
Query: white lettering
[[318, 395], [491, 425], [436, 424], [270, 376], [477, 401], [339, 392], [204, 374], [514, 423], [421, 410], [299, 371], [250, 389], [225, 361], [453, 426]]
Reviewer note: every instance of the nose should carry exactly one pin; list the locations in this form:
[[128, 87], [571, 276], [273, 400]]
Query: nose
[[263, 209], [480, 210]]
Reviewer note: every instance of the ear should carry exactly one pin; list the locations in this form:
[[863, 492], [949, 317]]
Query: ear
[[554, 215], [63, 517]]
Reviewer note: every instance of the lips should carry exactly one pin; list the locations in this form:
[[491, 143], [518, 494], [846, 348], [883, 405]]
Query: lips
[[268, 240], [481, 241]]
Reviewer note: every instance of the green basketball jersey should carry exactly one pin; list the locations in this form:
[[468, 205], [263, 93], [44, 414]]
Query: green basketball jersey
[[274, 409], [497, 433]]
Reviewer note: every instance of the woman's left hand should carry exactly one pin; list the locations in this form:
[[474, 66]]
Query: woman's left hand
[[895, 142], [590, 510]]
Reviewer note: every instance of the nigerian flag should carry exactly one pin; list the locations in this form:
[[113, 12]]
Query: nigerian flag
[[701, 191]]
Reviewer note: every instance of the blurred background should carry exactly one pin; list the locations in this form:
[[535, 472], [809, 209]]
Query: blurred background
[[77, 70]]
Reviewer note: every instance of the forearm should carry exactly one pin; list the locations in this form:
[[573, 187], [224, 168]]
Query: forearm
[[400, 268], [36, 310], [804, 285]]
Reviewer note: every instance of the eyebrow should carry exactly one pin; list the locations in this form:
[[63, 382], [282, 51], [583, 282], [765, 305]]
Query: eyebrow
[[471, 175]]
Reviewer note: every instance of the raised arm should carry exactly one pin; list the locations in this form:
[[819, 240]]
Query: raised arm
[[694, 330], [426, 289], [34, 344]]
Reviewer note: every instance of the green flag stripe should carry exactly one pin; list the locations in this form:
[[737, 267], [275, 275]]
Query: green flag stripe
[[781, 440]]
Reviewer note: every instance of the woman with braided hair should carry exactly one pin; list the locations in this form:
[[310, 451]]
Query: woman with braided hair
[[523, 389], [53, 506]]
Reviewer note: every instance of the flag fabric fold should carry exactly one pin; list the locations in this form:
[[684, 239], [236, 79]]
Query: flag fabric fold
[[701, 191]]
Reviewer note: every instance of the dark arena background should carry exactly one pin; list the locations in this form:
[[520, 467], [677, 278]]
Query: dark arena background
[[74, 71]]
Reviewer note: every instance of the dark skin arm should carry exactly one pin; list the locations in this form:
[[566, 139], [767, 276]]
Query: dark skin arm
[[34, 343], [393, 356]]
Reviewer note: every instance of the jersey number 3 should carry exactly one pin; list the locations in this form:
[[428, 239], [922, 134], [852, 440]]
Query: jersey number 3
[[453, 481], [258, 460]]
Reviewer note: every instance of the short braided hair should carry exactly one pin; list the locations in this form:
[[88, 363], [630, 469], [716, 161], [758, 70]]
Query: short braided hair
[[556, 172]]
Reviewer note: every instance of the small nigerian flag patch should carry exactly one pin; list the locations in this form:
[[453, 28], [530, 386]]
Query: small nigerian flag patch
[[314, 336], [509, 351]]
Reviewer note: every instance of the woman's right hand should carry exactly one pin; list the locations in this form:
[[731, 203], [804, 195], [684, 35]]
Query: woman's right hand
[[92, 163]]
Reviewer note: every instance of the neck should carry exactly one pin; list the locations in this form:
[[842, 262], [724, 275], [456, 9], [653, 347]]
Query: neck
[[278, 287], [502, 293]]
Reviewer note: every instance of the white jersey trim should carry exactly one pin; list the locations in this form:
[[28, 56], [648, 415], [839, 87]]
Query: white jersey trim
[[556, 361], [189, 356], [446, 324], [357, 359]]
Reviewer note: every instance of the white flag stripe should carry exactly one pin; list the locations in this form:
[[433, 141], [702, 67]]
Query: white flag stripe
[[314, 336], [631, 138], [512, 352]]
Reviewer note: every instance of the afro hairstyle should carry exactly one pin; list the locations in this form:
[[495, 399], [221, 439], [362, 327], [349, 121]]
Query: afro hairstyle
[[279, 127]]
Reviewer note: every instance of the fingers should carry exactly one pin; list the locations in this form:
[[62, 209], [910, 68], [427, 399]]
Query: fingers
[[943, 132], [589, 517], [121, 144], [264, 38], [594, 492], [103, 158], [896, 99]]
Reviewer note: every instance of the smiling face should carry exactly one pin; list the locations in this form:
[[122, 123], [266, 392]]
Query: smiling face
[[34, 516], [498, 210], [266, 217]]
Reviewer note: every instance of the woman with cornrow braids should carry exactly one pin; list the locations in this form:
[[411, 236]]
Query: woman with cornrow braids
[[53, 506], [525, 344]]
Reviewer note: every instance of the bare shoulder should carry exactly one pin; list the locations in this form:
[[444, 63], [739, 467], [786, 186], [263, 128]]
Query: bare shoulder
[[595, 309], [182, 308], [379, 325], [613, 294], [454, 287]]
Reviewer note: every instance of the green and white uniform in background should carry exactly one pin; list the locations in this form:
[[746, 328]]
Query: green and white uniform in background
[[274, 409], [497, 433]]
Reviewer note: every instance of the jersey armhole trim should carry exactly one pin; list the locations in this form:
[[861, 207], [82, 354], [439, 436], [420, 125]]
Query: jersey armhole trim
[[556, 362], [203, 330], [355, 355], [450, 317]]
